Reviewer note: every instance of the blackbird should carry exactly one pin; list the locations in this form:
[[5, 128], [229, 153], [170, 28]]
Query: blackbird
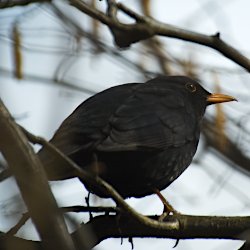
[[139, 137]]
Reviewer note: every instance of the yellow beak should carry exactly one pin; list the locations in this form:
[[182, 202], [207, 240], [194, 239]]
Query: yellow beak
[[218, 98]]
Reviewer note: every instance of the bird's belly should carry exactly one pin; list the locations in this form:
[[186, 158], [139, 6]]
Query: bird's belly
[[161, 175], [137, 174]]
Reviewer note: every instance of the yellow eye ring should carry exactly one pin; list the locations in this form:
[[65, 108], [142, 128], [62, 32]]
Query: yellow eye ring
[[190, 87]]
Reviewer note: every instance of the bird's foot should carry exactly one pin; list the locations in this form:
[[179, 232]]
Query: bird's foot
[[168, 209]]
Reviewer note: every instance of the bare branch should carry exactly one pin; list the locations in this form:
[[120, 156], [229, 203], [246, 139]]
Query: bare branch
[[116, 226], [76, 209], [20, 223], [146, 27], [191, 227], [33, 184], [84, 209]]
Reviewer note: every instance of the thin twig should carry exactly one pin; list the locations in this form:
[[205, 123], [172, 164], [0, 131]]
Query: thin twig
[[83, 209], [75, 209], [20, 223]]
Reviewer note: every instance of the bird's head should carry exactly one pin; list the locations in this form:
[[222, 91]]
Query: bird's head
[[191, 92], [197, 91]]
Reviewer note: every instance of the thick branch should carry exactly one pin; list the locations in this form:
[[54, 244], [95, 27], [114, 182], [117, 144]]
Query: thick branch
[[191, 227], [146, 27], [116, 226], [33, 184]]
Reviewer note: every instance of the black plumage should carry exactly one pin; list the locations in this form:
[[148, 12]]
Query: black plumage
[[139, 137]]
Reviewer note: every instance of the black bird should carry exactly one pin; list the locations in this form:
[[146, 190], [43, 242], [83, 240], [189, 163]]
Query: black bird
[[139, 137]]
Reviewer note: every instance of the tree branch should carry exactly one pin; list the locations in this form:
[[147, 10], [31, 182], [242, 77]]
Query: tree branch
[[122, 225], [133, 226], [191, 227], [146, 27], [33, 184], [76, 209]]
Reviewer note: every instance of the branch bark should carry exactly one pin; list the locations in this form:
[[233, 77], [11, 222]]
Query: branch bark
[[146, 27], [191, 227], [125, 226], [33, 184]]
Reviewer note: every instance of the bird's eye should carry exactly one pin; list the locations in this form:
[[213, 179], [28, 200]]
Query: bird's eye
[[190, 87]]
